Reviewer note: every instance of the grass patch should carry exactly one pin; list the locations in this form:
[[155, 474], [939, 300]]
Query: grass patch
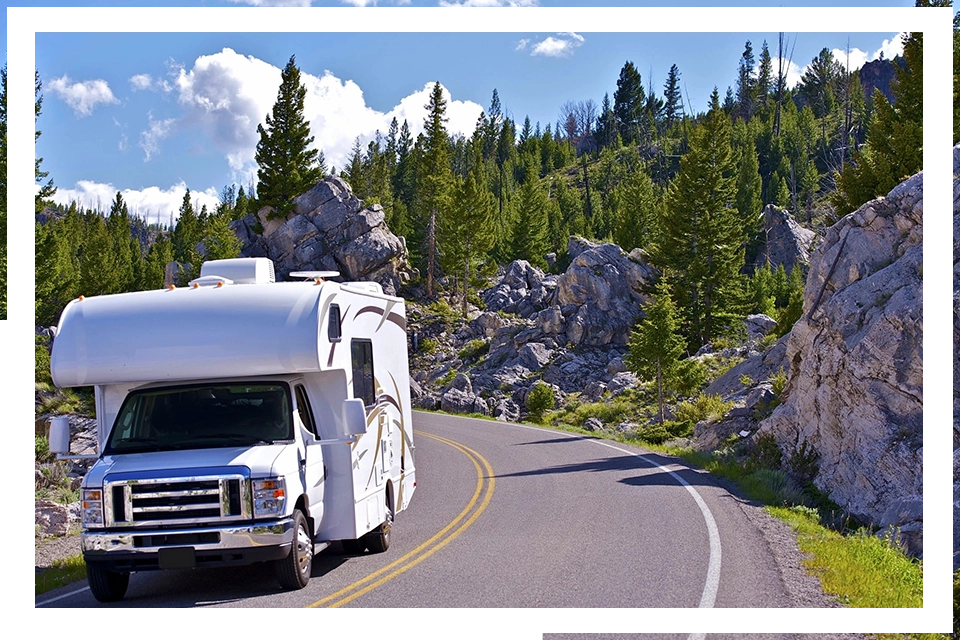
[[862, 570], [704, 407], [62, 573]]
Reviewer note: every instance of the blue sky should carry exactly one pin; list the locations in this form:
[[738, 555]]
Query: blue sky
[[152, 114]]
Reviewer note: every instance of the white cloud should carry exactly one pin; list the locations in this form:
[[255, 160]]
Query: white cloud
[[82, 97], [890, 49], [794, 72], [157, 131], [559, 47], [274, 3], [155, 204], [228, 94], [490, 3], [522, 45], [141, 82]]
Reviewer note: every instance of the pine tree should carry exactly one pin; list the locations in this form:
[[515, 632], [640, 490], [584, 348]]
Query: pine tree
[[118, 228], [637, 215], [219, 240], [764, 76], [469, 231], [746, 84], [288, 165], [530, 240], [749, 186], [185, 236], [655, 346], [628, 102], [434, 179], [701, 241], [894, 147], [45, 191], [672, 101], [155, 264]]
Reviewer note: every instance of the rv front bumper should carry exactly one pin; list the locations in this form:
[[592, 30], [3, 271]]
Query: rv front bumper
[[148, 549]]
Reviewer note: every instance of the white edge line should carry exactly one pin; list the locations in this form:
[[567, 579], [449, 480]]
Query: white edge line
[[712, 583], [61, 597]]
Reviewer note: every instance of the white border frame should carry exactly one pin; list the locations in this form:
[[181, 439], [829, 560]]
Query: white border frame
[[936, 616]]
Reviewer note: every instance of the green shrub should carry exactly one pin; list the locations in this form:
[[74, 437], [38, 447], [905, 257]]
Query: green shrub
[[42, 361], [746, 380], [428, 346], [474, 350], [704, 407], [447, 377], [766, 453], [779, 380], [692, 375], [41, 449], [539, 401], [803, 463]]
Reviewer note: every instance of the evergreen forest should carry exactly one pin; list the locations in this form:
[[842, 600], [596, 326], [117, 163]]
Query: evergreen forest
[[634, 167]]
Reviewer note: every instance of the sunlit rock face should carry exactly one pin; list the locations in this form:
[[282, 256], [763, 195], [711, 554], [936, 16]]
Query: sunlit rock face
[[855, 389]]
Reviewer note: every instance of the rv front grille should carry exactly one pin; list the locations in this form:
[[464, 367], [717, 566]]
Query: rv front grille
[[194, 500]]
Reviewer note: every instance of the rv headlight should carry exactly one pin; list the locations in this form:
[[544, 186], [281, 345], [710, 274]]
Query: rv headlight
[[91, 504], [269, 497]]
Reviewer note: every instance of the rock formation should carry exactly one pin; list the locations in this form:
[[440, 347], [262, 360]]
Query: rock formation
[[854, 396], [785, 241], [570, 330], [329, 229]]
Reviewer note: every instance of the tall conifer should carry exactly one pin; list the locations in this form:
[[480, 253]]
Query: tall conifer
[[288, 164], [434, 179], [701, 244]]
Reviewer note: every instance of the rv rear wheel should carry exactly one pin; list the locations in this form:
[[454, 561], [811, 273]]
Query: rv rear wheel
[[293, 572], [378, 540], [106, 585]]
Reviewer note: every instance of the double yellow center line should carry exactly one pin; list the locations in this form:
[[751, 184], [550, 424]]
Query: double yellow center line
[[481, 496]]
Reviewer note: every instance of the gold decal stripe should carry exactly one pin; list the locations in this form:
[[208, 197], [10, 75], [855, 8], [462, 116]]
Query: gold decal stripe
[[485, 487]]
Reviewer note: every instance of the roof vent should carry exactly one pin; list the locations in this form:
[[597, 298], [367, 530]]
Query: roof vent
[[240, 270]]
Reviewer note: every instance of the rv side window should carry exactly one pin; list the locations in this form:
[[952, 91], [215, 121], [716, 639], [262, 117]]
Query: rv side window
[[303, 408], [333, 323], [361, 352]]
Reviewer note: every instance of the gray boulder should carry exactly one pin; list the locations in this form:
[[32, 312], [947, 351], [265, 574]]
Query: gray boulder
[[785, 241], [329, 229], [601, 294], [855, 387]]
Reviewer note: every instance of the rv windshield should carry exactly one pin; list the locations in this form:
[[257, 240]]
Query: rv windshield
[[202, 416]]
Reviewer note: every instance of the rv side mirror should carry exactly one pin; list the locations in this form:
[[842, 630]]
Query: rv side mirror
[[354, 417], [60, 435]]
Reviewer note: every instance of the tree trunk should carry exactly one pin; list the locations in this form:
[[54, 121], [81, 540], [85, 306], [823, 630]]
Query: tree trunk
[[431, 250], [660, 391], [466, 278]]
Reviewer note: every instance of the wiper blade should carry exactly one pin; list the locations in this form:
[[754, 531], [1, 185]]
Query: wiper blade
[[229, 437]]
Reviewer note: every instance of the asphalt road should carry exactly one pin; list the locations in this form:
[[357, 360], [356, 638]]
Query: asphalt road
[[512, 516]]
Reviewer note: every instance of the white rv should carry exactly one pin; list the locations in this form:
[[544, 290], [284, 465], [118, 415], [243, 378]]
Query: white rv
[[239, 420]]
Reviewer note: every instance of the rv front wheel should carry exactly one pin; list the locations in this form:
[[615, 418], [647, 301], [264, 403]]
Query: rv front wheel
[[293, 572], [106, 585]]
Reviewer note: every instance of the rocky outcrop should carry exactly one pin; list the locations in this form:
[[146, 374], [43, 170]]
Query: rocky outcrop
[[568, 330], [853, 404], [785, 242], [601, 293], [329, 229]]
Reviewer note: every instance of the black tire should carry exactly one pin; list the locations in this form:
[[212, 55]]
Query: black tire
[[293, 572], [378, 540], [107, 585]]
